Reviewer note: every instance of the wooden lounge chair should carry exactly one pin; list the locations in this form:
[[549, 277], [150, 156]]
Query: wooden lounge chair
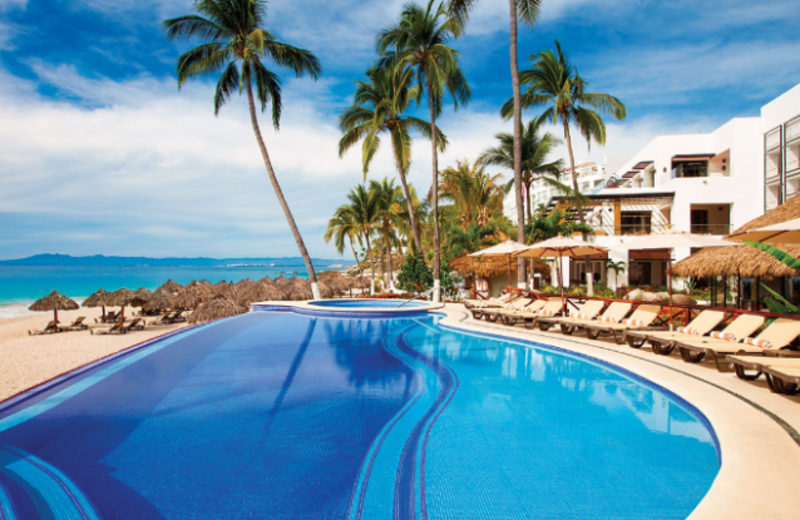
[[586, 312], [783, 380], [517, 305], [78, 324], [642, 318], [118, 327], [179, 317], [51, 328], [529, 317], [663, 343], [775, 337], [110, 317], [534, 306], [758, 363], [694, 350], [614, 313], [135, 324], [477, 311]]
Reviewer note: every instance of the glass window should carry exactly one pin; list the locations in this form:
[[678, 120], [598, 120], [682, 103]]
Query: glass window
[[636, 222]]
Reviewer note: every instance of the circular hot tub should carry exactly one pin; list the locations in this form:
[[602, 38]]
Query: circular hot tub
[[353, 307]]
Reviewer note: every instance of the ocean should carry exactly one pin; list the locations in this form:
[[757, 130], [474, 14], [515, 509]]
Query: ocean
[[21, 286]]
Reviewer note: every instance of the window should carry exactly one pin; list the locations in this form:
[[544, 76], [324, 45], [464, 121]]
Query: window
[[691, 169], [636, 222], [699, 221]]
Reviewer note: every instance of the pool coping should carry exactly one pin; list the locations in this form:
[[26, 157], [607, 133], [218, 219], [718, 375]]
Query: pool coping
[[309, 308], [754, 427]]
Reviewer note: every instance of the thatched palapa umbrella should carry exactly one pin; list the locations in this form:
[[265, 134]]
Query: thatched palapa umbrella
[[98, 299], [220, 306], [299, 289], [261, 292], [281, 282], [54, 302], [191, 296], [170, 287], [160, 301], [141, 297], [121, 298]]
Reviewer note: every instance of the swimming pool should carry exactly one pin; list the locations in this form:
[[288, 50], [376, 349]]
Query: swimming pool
[[281, 415], [373, 303]]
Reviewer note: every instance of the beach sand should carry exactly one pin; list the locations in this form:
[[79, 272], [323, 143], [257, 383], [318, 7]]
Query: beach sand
[[26, 361]]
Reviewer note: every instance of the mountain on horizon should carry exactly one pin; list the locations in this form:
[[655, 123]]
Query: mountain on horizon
[[55, 260]]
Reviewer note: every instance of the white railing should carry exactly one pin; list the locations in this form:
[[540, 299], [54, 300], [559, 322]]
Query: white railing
[[793, 129], [772, 171], [773, 139]]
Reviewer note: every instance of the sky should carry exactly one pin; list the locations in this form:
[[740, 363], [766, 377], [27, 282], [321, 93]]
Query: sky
[[101, 153]]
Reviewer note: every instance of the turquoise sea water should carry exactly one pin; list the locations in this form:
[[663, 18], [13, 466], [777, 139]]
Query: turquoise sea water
[[19, 285]]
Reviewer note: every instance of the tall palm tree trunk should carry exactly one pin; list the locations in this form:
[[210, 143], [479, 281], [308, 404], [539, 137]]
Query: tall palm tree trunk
[[412, 217], [371, 265], [528, 202], [355, 255], [435, 188], [281, 199], [512, 6], [578, 204], [391, 267]]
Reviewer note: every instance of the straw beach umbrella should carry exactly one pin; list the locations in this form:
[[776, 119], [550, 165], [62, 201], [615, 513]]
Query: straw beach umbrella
[[170, 287], [98, 299], [299, 289], [781, 233], [54, 302], [192, 295], [161, 301], [218, 307], [745, 262], [505, 250], [121, 298]]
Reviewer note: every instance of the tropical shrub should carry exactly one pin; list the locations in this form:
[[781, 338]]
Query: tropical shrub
[[415, 275]]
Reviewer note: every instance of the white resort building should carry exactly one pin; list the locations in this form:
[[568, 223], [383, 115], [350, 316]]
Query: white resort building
[[700, 183]]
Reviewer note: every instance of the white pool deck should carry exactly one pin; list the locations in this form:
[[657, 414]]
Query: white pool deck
[[757, 429]]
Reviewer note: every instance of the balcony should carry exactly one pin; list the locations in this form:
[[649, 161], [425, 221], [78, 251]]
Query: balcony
[[711, 229]]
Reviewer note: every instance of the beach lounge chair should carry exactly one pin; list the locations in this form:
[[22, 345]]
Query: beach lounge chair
[[642, 318], [586, 312], [529, 317], [663, 343], [179, 317], [51, 328], [477, 311], [135, 324], [775, 337], [694, 350], [118, 327], [783, 380], [614, 313], [492, 302], [78, 324], [758, 363], [533, 306], [516, 305], [110, 317]]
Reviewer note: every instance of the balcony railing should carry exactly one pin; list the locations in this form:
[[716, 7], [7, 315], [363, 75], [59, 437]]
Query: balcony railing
[[772, 171], [711, 229]]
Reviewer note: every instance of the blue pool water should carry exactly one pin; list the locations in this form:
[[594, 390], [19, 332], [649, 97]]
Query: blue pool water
[[375, 303], [282, 416]]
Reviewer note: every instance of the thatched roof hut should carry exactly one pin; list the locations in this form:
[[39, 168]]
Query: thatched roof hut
[[744, 261], [299, 289], [170, 287], [191, 296], [220, 306], [54, 302], [281, 282], [487, 267], [243, 285]]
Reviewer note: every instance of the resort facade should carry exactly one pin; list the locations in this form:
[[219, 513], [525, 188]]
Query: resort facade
[[705, 183]]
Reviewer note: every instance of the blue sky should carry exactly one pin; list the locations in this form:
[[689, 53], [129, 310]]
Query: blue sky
[[100, 153]]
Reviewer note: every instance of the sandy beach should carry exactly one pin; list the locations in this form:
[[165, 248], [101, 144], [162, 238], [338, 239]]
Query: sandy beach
[[26, 361]]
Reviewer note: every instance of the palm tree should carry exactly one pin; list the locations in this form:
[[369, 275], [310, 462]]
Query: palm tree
[[390, 209], [342, 226], [535, 149], [528, 12], [378, 108], [555, 82], [419, 42], [476, 195], [363, 211], [236, 44]]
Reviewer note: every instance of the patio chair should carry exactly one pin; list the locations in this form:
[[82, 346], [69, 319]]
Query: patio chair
[[663, 343], [51, 328], [614, 313], [586, 312], [783, 380], [516, 305], [551, 308], [110, 317], [135, 324], [775, 337], [118, 327], [492, 302], [642, 319], [78, 324], [742, 364]]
